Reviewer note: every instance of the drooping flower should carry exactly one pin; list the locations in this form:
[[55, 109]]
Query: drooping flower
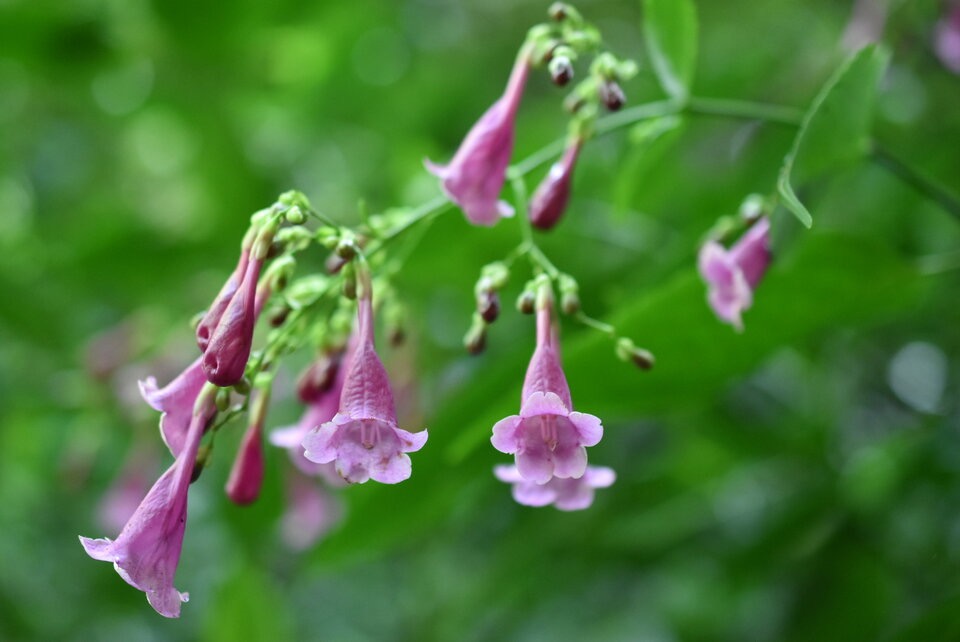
[[548, 438], [553, 193], [733, 274], [147, 551], [175, 401], [565, 494], [246, 475], [363, 437], [225, 357], [311, 512], [475, 176], [213, 315]]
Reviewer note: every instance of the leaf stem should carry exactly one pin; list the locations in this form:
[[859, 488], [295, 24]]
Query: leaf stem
[[922, 184]]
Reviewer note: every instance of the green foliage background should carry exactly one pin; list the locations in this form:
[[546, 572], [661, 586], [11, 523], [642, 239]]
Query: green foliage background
[[772, 485]]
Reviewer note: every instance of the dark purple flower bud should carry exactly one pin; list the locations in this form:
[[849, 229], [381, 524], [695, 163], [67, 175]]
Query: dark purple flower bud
[[319, 376], [611, 95], [475, 176], [225, 358], [561, 71], [552, 194], [488, 305]]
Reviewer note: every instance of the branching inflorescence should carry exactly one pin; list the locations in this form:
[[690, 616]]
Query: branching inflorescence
[[348, 433]]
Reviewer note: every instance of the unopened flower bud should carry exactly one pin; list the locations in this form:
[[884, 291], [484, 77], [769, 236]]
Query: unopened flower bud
[[243, 386], [222, 400], [328, 237], [611, 95], [629, 352], [488, 305], [475, 341], [295, 216], [549, 200], [561, 70], [526, 302], [334, 263], [203, 457], [318, 377], [557, 11], [569, 303], [752, 208], [346, 249]]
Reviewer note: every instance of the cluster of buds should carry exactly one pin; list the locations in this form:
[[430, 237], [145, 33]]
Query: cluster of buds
[[475, 176]]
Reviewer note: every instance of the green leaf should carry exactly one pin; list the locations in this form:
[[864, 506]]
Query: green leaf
[[670, 31], [835, 130]]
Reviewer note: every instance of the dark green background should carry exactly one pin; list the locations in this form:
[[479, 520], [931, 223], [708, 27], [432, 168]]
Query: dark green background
[[772, 485]]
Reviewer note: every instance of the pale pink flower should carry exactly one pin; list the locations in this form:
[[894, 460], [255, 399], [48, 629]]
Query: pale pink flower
[[566, 494], [548, 438], [363, 437], [147, 551], [947, 40], [550, 199], [734, 274], [311, 512], [474, 178]]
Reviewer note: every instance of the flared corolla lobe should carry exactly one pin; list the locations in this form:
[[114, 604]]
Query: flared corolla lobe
[[547, 438], [565, 494]]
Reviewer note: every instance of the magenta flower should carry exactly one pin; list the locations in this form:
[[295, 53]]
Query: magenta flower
[[226, 354], [213, 315], [553, 193], [565, 494], [175, 401], [363, 438], [147, 550], [475, 176], [246, 475], [547, 437], [734, 274]]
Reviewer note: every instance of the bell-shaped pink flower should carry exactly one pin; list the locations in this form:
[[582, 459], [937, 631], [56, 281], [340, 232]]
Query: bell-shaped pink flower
[[548, 438], [246, 475], [213, 315], [147, 550], [225, 357], [363, 437], [550, 199], [734, 274], [474, 178], [175, 401], [565, 494]]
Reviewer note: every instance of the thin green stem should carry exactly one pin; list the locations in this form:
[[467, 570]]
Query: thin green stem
[[596, 324], [922, 184], [776, 114]]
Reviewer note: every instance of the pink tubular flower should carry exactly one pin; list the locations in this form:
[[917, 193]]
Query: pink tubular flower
[[553, 193], [475, 176], [547, 437], [213, 315], [363, 438], [225, 357], [734, 274], [175, 401], [246, 475], [565, 494], [148, 549]]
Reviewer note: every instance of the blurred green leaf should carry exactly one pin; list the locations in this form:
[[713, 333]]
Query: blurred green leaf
[[835, 129], [670, 31]]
